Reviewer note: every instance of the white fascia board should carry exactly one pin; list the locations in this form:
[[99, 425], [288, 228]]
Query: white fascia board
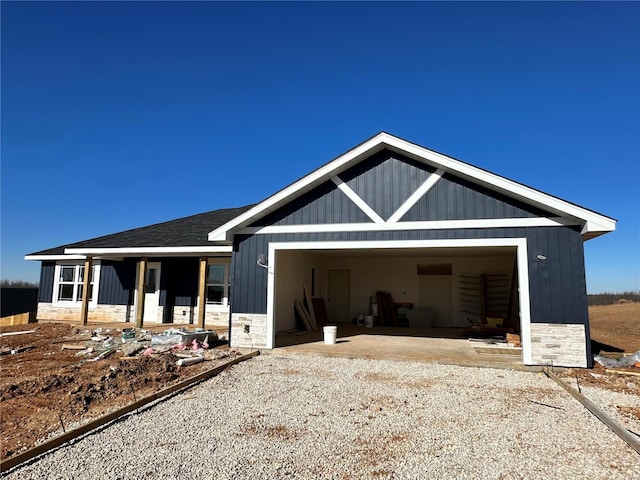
[[325, 172], [426, 225], [54, 257], [429, 157], [149, 250]]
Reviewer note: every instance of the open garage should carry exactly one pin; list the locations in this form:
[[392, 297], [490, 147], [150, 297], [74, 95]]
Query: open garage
[[414, 239]]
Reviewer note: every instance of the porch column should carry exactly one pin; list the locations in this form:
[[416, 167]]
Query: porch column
[[202, 287], [142, 275], [86, 280]]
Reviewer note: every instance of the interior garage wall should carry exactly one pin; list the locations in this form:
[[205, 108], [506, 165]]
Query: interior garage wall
[[398, 276], [293, 269]]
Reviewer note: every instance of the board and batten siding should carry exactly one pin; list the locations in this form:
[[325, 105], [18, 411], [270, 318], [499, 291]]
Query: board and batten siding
[[117, 282], [45, 287], [386, 180], [324, 204], [453, 198], [557, 284]]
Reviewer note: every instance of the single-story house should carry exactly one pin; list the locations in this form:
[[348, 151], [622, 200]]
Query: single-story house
[[450, 243]]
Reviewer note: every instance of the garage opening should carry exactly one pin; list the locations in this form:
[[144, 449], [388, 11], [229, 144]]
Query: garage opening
[[430, 292]]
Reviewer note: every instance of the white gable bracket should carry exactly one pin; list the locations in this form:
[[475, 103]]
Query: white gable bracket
[[355, 198], [420, 192]]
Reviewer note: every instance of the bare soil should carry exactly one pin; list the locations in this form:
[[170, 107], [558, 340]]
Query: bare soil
[[616, 327], [615, 332], [47, 388]]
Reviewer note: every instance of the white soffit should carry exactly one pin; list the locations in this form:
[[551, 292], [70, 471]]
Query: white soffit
[[148, 250], [593, 222]]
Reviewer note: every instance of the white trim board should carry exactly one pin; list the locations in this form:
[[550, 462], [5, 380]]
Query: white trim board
[[428, 225], [521, 258], [593, 223], [150, 250]]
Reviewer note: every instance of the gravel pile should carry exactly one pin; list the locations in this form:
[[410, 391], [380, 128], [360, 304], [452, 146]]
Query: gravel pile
[[309, 418]]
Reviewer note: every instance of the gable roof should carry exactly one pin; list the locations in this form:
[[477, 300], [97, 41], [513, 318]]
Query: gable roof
[[183, 235], [593, 223]]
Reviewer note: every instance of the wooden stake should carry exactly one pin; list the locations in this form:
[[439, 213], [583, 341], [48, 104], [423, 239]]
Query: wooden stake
[[610, 422]]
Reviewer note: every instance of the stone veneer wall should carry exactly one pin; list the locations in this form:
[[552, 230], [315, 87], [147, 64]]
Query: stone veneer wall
[[99, 313], [255, 323], [189, 316], [124, 313], [561, 345]]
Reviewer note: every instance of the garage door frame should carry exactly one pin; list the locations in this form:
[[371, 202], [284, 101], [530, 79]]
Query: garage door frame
[[521, 256]]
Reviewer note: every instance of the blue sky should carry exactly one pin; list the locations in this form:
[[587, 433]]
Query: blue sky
[[117, 115]]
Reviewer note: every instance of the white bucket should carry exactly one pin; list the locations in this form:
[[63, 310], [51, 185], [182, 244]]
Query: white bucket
[[330, 333], [368, 321]]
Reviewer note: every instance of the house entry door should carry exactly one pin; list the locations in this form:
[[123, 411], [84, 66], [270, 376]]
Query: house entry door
[[338, 295], [151, 292]]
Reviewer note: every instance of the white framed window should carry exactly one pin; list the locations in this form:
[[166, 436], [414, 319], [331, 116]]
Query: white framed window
[[218, 282], [67, 286]]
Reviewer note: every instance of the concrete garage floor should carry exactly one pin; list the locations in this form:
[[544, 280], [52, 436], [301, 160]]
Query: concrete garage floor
[[434, 345]]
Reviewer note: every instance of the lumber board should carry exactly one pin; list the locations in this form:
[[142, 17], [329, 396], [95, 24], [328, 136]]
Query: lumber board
[[320, 309], [622, 372], [105, 419], [309, 306], [302, 311]]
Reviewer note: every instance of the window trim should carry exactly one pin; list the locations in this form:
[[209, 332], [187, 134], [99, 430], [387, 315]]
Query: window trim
[[224, 306], [77, 284]]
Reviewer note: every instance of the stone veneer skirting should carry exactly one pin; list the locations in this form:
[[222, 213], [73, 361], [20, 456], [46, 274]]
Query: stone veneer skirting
[[560, 345], [124, 313], [98, 313], [248, 330]]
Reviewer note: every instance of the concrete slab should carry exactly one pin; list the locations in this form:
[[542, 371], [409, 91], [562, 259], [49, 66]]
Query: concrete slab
[[435, 345]]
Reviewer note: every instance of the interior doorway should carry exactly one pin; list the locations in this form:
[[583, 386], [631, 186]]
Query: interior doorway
[[338, 295]]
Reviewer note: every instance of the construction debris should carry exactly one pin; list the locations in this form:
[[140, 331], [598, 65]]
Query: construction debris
[[86, 351], [13, 351], [104, 354], [183, 362], [632, 360], [73, 346], [130, 349], [174, 336], [6, 334]]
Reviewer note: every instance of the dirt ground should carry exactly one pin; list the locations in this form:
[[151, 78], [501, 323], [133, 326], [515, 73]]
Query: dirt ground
[[615, 331], [46, 388], [616, 327], [50, 388]]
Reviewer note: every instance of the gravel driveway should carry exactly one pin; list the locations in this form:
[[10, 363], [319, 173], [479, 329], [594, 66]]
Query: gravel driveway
[[310, 417]]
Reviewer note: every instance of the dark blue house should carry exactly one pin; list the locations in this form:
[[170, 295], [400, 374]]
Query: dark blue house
[[448, 242]]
